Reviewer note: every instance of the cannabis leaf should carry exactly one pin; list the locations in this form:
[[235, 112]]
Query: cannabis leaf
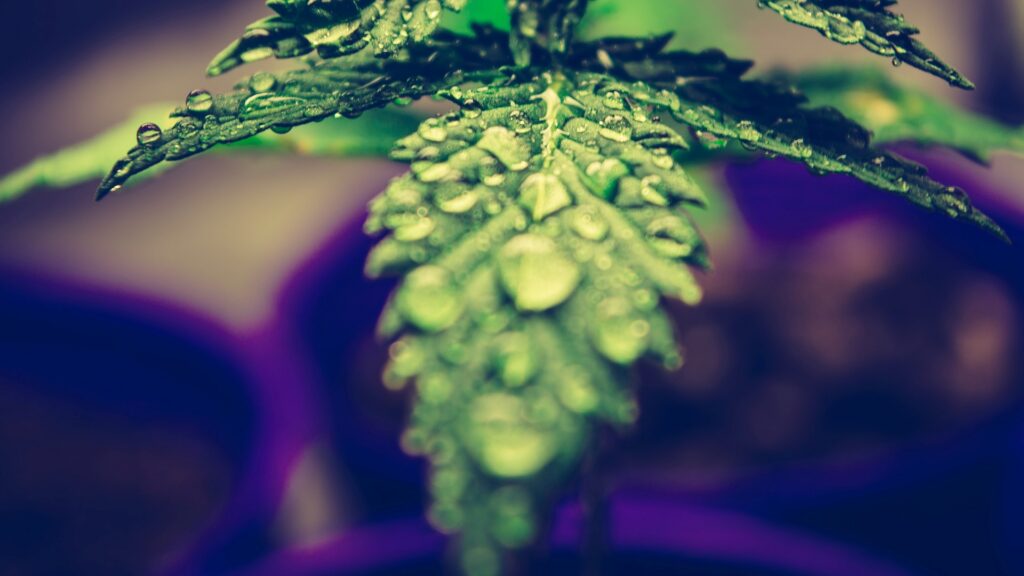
[[537, 229], [280, 102], [372, 134], [897, 113], [334, 28], [720, 106], [545, 220], [871, 24]]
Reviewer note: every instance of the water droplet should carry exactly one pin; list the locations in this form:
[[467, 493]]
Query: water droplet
[[433, 131], [673, 237], [472, 109], [543, 194], [199, 102], [588, 224], [576, 392], [614, 100], [432, 9], [535, 273], [746, 131], [407, 358], [513, 523], [503, 441], [262, 82], [663, 161], [415, 231], [613, 135], [461, 203], [437, 172], [520, 122], [620, 332], [149, 134], [435, 388], [516, 361], [801, 148], [604, 176], [501, 143], [428, 299]]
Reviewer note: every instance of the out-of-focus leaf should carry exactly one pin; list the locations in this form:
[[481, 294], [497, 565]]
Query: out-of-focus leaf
[[82, 162], [896, 113], [696, 24]]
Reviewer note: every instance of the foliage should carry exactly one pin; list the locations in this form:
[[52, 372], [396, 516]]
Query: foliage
[[871, 24], [546, 220], [895, 113]]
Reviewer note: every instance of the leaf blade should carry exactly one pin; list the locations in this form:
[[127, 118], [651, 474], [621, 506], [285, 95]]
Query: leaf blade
[[871, 24]]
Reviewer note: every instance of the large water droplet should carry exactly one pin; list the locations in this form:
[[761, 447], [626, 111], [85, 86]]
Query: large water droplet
[[460, 204], [428, 299], [149, 135], [433, 131], [503, 144], [262, 82], [620, 333], [603, 177], [432, 9], [199, 102], [503, 441], [543, 194], [535, 273]]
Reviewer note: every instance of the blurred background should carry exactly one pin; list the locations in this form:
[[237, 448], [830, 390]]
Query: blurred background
[[189, 382]]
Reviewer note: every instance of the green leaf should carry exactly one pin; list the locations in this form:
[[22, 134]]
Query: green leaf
[[538, 229], [769, 117], [871, 24], [334, 28], [281, 102], [896, 113], [373, 134], [83, 162]]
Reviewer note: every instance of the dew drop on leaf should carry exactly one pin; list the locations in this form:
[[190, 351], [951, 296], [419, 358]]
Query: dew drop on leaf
[[535, 273], [149, 134], [199, 102], [428, 299], [262, 82], [588, 224], [620, 333], [543, 194], [503, 441]]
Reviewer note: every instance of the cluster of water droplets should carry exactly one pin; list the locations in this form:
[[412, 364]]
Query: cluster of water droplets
[[538, 229], [870, 24], [264, 102], [334, 28]]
